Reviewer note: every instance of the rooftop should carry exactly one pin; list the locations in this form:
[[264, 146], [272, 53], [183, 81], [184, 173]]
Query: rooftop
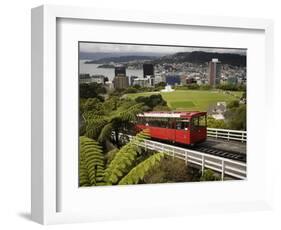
[[171, 114]]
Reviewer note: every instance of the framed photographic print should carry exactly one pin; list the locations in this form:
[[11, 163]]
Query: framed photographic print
[[141, 114]]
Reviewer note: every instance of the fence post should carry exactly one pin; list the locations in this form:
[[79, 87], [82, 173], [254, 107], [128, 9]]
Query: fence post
[[145, 148], [242, 137], [203, 164], [228, 135], [216, 134], [222, 170], [185, 157], [173, 151]]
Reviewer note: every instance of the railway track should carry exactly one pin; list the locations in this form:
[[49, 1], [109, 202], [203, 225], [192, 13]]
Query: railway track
[[221, 153], [232, 155]]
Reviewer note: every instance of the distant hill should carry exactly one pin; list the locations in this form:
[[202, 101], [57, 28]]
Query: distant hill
[[200, 57], [95, 56], [122, 59]]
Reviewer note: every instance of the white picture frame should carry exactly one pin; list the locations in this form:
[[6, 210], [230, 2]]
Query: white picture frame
[[45, 162]]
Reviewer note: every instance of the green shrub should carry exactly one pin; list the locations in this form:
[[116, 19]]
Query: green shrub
[[209, 175]]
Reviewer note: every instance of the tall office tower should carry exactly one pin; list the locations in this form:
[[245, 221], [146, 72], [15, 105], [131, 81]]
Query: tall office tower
[[121, 81], [148, 70], [214, 72], [120, 70]]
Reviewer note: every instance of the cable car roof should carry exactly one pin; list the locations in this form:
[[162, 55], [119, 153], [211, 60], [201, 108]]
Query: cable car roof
[[171, 114]]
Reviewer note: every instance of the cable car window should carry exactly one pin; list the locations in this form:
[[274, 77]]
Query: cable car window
[[195, 121], [185, 125], [170, 124], [202, 121], [179, 125], [182, 125]]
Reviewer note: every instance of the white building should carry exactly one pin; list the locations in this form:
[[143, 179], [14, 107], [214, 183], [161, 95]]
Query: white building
[[86, 78], [143, 82], [98, 79]]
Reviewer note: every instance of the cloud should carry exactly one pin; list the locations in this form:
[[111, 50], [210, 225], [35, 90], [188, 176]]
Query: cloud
[[90, 47]]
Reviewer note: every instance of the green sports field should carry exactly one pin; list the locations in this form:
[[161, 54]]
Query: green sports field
[[189, 100]]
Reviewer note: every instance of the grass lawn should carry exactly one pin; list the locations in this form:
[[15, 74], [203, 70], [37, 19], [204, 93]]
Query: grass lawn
[[191, 100]]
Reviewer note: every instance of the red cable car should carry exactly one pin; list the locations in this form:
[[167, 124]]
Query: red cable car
[[176, 127]]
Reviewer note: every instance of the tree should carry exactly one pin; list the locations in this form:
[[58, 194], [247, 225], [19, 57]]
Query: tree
[[152, 100], [116, 119], [236, 118], [219, 124], [91, 90], [124, 168], [233, 104], [160, 84], [169, 170]]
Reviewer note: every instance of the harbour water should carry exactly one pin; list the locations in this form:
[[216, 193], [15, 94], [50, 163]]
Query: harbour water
[[93, 69]]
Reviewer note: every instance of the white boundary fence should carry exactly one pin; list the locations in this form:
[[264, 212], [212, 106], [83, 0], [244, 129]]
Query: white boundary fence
[[222, 165], [227, 134]]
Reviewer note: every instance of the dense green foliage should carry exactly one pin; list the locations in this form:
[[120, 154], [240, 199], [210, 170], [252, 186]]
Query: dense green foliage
[[152, 101], [123, 160], [91, 168], [128, 166], [236, 118], [219, 124], [91, 90], [232, 87], [137, 173], [233, 104], [170, 170], [100, 119], [209, 175], [192, 86]]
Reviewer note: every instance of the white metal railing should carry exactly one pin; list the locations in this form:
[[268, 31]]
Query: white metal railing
[[222, 165], [227, 134]]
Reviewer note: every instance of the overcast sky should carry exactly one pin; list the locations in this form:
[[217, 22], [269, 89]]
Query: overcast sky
[[124, 48]]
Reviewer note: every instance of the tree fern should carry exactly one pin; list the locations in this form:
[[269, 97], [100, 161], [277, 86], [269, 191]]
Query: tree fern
[[139, 171], [94, 126], [91, 170], [123, 160], [84, 179], [105, 132], [130, 113]]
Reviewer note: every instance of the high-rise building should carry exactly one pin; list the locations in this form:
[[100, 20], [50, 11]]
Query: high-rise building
[[173, 79], [148, 70], [120, 70], [132, 79], [120, 81], [214, 72], [85, 78]]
